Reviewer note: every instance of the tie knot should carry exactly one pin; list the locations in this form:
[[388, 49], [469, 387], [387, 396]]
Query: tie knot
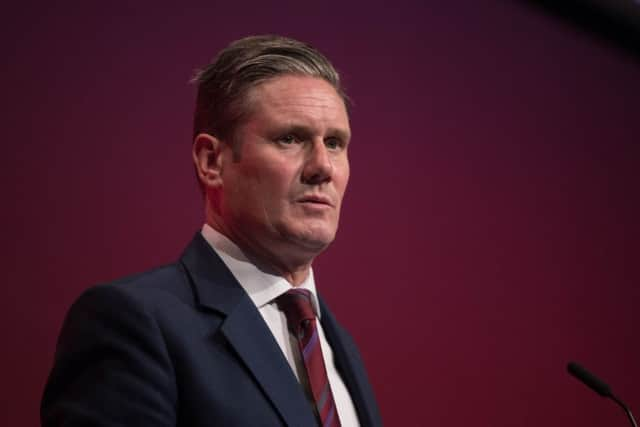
[[296, 304]]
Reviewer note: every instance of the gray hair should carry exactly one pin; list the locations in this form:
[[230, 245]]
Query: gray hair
[[223, 85]]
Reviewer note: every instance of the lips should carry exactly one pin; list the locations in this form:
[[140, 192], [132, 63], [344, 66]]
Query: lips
[[316, 198]]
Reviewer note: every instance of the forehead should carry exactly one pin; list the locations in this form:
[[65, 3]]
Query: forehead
[[300, 100]]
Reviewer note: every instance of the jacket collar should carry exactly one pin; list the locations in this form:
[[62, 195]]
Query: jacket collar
[[351, 367], [216, 289]]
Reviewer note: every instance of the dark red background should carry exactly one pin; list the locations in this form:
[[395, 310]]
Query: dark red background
[[491, 222]]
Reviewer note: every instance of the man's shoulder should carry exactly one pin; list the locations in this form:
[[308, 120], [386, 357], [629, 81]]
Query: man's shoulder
[[171, 278], [165, 285]]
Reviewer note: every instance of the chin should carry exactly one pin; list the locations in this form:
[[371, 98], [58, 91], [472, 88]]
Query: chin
[[319, 241], [314, 240]]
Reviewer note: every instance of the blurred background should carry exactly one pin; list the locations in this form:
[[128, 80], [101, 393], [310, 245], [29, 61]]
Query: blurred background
[[492, 214]]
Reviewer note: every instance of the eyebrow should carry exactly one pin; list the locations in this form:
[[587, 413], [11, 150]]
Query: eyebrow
[[340, 133], [306, 131]]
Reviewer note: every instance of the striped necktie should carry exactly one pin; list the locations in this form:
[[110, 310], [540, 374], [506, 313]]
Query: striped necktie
[[301, 319]]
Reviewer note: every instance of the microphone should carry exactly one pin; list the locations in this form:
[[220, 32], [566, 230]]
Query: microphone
[[599, 386]]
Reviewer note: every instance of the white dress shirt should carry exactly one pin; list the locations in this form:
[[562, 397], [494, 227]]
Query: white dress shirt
[[263, 288]]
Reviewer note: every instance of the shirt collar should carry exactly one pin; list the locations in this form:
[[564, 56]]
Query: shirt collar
[[262, 287]]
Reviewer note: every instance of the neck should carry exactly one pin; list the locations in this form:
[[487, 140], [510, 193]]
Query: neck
[[294, 270], [296, 277]]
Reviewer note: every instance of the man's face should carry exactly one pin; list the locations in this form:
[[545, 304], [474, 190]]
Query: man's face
[[282, 192]]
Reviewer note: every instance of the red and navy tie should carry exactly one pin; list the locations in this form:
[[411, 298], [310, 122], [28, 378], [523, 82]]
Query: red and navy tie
[[301, 319]]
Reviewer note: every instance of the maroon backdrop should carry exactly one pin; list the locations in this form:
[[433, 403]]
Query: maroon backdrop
[[491, 221]]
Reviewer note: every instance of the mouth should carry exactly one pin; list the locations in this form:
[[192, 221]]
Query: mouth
[[316, 200]]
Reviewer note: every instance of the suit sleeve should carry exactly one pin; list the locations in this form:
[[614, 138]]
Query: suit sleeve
[[112, 367]]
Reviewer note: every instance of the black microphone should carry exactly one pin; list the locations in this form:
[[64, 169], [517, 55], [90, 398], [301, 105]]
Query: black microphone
[[599, 386]]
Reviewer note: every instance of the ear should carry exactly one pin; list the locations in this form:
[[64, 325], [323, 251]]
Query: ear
[[207, 158]]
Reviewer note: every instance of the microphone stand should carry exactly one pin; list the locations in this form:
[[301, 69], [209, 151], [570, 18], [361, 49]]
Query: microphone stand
[[597, 385], [626, 409]]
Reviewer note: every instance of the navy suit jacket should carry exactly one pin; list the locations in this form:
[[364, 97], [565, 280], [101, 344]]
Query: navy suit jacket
[[183, 345]]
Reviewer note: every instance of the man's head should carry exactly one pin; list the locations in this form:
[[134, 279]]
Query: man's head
[[271, 152], [223, 84]]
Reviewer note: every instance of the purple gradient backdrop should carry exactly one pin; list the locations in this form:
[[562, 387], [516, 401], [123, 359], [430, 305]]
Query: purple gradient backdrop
[[491, 221]]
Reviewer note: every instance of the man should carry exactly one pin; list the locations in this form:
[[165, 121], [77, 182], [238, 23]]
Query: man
[[233, 334]]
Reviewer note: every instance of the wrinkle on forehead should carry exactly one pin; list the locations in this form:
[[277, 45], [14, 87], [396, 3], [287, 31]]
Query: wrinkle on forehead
[[299, 98]]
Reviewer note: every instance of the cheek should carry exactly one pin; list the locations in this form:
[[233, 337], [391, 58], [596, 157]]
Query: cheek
[[272, 189], [342, 178], [245, 193], [280, 180]]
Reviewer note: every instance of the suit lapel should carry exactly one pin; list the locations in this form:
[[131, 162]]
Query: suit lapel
[[351, 368], [216, 289]]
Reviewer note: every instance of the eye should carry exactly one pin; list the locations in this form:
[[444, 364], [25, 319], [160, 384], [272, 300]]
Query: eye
[[333, 143], [288, 139]]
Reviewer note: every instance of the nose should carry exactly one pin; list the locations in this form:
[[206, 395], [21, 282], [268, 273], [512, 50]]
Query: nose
[[318, 167]]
